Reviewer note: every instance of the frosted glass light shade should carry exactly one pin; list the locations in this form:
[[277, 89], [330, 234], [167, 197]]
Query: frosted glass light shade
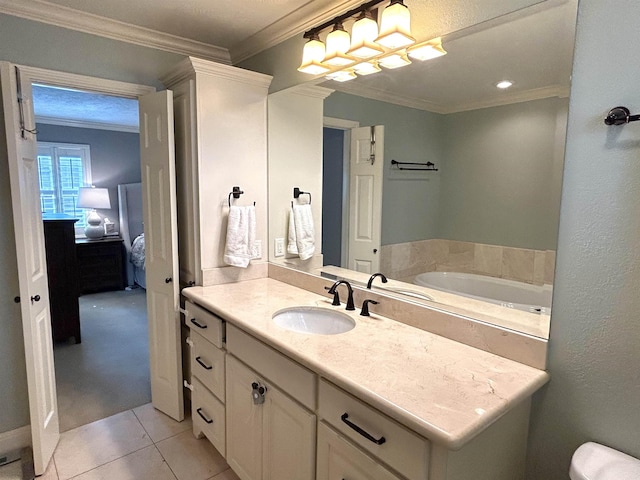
[[395, 26], [342, 75], [427, 51], [312, 56], [363, 36], [338, 42], [395, 60], [367, 68]]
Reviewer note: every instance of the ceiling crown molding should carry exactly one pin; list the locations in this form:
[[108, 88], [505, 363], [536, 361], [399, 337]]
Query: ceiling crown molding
[[45, 12], [304, 18]]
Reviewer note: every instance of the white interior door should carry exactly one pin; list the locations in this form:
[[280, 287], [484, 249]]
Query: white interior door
[[161, 251], [32, 267], [365, 194]]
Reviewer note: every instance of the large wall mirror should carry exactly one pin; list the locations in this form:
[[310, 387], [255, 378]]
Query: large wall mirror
[[468, 219]]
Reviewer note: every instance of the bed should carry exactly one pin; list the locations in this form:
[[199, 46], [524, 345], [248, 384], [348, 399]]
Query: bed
[[132, 231]]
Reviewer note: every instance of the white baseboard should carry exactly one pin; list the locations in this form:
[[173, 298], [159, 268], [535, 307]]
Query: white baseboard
[[15, 439]]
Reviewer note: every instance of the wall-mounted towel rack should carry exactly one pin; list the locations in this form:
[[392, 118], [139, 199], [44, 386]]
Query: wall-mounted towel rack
[[297, 192], [236, 192], [620, 116], [425, 167]]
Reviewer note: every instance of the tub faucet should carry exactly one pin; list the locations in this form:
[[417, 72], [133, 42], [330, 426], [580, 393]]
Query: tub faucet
[[384, 279], [332, 291]]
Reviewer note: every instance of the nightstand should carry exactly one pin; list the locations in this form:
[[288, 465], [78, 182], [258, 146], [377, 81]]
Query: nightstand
[[100, 264]]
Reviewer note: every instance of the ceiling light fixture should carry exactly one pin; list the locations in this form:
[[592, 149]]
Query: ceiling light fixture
[[504, 84], [367, 47]]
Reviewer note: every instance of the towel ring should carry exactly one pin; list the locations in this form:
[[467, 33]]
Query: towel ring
[[297, 192], [236, 192]]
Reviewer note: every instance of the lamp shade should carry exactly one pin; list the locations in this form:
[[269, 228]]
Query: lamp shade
[[395, 26], [395, 60], [338, 42], [427, 51], [89, 197], [312, 56], [363, 35]]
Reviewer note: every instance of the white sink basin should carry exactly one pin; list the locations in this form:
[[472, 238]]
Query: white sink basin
[[315, 320]]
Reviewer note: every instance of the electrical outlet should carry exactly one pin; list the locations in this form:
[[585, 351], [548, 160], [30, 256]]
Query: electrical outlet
[[257, 249], [279, 247]]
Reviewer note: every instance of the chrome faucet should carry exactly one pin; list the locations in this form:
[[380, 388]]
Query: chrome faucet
[[384, 279], [332, 291]]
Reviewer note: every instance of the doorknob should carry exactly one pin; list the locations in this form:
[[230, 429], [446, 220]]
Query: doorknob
[[168, 280], [35, 298], [375, 250], [16, 299]]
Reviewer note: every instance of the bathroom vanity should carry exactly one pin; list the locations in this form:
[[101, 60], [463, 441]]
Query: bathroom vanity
[[382, 401]]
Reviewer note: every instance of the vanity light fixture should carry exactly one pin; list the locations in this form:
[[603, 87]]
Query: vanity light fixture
[[338, 42], [342, 75], [363, 36], [395, 26], [367, 68], [504, 84], [367, 48], [312, 56], [427, 51], [395, 60]]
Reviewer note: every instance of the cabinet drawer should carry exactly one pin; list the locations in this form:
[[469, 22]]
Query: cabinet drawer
[[339, 459], [208, 416], [402, 450], [205, 323], [207, 363], [291, 377]]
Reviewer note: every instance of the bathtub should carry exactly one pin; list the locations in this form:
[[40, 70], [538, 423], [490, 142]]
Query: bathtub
[[508, 293]]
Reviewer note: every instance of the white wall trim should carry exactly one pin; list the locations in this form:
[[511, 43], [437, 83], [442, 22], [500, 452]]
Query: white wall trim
[[83, 82], [65, 122], [15, 439], [60, 16], [339, 123], [190, 66]]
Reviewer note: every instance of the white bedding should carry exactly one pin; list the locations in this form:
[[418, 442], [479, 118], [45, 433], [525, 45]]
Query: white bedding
[[137, 251]]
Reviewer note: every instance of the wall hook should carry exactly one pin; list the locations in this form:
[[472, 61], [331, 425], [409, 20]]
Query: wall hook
[[620, 116]]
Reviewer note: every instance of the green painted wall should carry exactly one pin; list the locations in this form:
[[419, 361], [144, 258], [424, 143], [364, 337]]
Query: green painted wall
[[409, 202]]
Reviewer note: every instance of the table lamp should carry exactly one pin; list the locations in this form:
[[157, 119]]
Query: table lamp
[[91, 197]]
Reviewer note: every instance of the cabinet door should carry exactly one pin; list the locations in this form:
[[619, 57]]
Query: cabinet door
[[244, 422], [289, 438], [338, 459]]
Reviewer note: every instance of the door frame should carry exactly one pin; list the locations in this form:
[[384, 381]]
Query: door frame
[[81, 82], [345, 126]]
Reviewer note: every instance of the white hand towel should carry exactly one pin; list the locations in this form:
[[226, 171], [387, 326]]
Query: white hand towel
[[292, 246], [241, 235], [304, 230]]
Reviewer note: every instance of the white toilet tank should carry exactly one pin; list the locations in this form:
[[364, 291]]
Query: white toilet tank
[[593, 461]]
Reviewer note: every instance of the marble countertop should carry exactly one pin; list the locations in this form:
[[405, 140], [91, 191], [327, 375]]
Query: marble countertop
[[444, 390]]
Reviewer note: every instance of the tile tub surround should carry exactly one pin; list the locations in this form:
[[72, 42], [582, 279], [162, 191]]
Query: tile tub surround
[[403, 261], [444, 390]]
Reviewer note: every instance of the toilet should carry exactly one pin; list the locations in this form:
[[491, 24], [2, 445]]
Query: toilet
[[593, 461]]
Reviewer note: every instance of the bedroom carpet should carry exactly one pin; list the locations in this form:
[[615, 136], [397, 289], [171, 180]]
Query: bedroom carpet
[[108, 372]]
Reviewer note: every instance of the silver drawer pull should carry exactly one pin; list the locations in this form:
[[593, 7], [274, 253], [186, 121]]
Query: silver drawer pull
[[208, 420], [367, 435], [204, 365]]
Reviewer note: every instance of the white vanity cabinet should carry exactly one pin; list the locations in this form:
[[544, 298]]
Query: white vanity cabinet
[[270, 436], [207, 359]]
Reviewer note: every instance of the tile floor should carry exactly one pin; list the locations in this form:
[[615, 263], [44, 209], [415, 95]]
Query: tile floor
[[138, 444]]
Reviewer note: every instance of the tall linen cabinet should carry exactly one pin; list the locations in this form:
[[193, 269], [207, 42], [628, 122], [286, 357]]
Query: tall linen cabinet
[[220, 115]]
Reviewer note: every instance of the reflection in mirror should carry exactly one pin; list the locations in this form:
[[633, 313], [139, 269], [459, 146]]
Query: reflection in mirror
[[477, 236]]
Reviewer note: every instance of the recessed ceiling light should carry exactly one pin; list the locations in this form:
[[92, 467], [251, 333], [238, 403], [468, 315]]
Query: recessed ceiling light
[[504, 84]]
